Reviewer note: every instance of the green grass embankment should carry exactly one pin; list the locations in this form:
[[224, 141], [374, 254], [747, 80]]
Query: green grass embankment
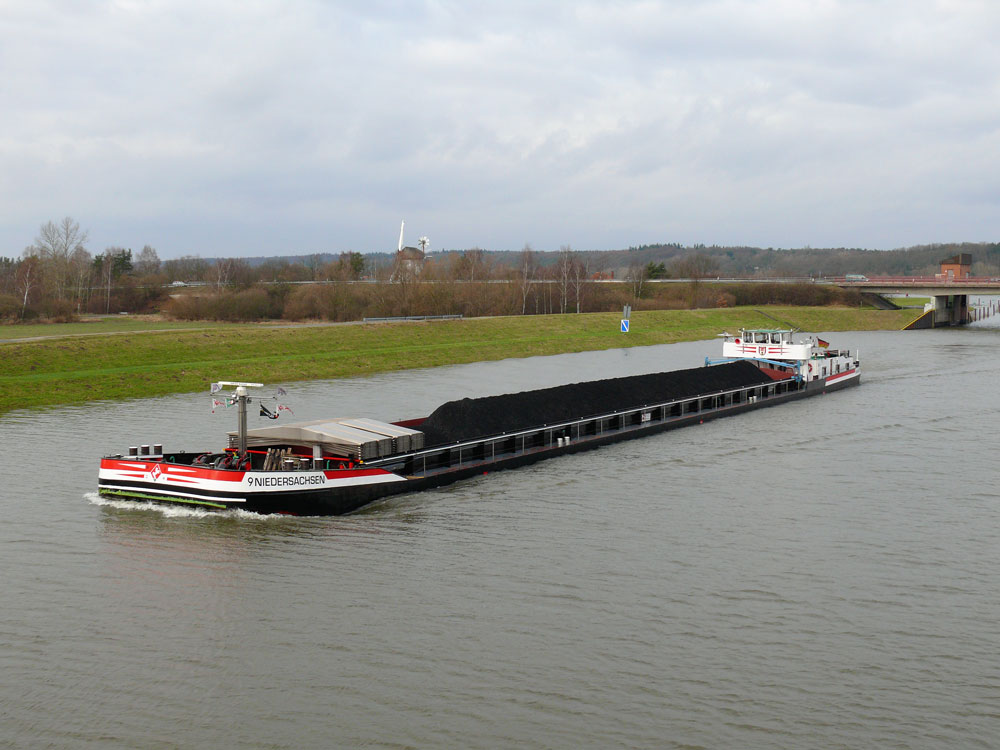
[[154, 363], [105, 325]]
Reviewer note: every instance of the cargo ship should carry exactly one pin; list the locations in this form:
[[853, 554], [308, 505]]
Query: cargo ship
[[338, 465]]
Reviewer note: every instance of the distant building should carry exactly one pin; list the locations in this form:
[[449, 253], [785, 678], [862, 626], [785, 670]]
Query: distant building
[[409, 263], [957, 266]]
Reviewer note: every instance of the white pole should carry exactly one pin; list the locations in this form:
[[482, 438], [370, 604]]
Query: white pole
[[241, 395], [401, 225]]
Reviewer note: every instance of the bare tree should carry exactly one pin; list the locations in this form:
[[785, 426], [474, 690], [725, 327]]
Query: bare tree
[[8, 270], [236, 272], [55, 244], [112, 263], [695, 267], [82, 269], [636, 276], [473, 265], [224, 268], [148, 261], [313, 262], [186, 268], [527, 271], [580, 272], [564, 272], [27, 278]]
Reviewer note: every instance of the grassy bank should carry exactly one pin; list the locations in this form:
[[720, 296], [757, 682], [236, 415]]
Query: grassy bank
[[103, 325], [76, 370]]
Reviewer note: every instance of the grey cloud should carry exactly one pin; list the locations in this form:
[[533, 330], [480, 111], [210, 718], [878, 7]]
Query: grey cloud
[[597, 124]]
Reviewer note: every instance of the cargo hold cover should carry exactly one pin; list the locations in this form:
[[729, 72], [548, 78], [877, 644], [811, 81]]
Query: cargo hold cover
[[373, 440]]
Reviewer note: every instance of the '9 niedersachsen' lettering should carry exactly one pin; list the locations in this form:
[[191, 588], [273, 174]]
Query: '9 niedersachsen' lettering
[[286, 481]]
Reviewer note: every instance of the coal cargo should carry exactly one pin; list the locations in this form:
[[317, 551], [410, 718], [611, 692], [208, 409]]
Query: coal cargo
[[471, 418]]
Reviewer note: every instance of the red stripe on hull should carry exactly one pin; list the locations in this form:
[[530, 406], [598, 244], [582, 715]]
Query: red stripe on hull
[[841, 376], [191, 474]]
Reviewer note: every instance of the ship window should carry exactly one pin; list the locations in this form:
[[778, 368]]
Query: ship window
[[775, 338], [760, 338]]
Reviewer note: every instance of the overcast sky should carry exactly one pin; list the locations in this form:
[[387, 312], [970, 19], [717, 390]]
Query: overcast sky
[[264, 127]]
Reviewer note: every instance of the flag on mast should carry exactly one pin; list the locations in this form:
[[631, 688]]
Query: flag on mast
[[823, 344]]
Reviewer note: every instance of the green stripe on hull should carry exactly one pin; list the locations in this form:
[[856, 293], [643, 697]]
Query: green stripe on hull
[[160, 498]]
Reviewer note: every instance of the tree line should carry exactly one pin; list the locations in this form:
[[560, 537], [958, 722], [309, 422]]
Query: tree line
[[58, 277]]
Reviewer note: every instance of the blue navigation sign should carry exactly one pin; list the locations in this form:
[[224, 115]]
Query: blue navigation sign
[[624, 325]]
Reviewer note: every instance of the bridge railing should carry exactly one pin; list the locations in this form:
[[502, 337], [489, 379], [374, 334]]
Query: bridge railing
[[912, 280]]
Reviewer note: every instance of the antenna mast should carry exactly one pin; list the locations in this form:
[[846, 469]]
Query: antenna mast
[[401, 225], [240, 396]]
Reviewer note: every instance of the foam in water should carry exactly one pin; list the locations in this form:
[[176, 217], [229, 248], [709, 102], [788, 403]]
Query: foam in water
[[178, 511]]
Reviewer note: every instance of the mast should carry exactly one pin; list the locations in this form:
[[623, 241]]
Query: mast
[[242, 399], [401, 225], [241, 396]]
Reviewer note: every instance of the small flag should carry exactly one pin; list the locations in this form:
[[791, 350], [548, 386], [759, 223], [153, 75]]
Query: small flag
[[264, 412], [823, 344], [215, 403], [282, 407], [282, 391], [216, 387]]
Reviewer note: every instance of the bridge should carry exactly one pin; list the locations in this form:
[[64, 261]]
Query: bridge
[[949, 305]]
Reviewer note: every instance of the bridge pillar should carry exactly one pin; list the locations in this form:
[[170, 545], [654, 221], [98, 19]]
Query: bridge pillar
[[950, 310]]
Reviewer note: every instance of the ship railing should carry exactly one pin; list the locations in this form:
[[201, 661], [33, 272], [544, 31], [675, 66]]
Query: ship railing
[[587, 427]]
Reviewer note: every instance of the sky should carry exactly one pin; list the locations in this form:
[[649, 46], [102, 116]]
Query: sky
[[248, 127]]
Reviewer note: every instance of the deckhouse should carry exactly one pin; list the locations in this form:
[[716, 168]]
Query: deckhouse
[[776, 351]]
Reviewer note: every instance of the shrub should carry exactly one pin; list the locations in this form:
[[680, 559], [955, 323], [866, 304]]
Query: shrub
[[247, 304], [10, 307], [187, 307], [59, 310]]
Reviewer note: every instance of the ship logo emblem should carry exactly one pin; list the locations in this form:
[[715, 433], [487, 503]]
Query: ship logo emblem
[[155, 473]]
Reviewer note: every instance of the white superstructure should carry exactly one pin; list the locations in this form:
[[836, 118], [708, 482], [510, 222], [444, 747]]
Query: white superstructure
[[778, 351]]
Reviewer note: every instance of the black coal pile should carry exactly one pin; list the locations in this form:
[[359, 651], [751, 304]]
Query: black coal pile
[[478, 417]]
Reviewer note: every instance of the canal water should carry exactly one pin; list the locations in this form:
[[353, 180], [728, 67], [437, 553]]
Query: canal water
[[824, 573]]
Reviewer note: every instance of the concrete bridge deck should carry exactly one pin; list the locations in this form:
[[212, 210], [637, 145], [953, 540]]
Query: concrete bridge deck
[[920, 286]]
